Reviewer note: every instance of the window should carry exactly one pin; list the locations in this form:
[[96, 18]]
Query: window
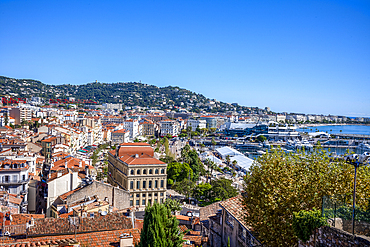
[[156, 184], [132, 172], [131, 185], [137, 202], [137, 184], [23, 177], [144, 184], [144, 171], [150, 202], [143, 202], [155, 194], [156, 171], [162, 171], [229, 220], [144, 195], [150, 185], [6, 178], [150, 194], [162, 194], [162, 183], [162, 200], [137, 195], [131, 203], [138, 172], [150, 171]]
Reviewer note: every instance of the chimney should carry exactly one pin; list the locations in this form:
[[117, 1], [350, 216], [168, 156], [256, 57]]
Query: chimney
[[66, 164], [117, 150], [80, 163], [126, 240], [133, 219], [136, 156]]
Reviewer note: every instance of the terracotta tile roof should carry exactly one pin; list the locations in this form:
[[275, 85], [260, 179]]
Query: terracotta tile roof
[[71, 163], [182, 217], [209, 210], [121, 131], [183, 228], [19, 219], [103, 238], [65, 195], [141, 160], [234, 206]]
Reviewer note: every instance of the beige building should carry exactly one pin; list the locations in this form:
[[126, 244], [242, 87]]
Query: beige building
[[149, 128], [133, 168], [120, 136], [20, 114]]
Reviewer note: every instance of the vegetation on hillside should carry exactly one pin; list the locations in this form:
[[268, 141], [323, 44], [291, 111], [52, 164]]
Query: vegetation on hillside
[[127, 93]]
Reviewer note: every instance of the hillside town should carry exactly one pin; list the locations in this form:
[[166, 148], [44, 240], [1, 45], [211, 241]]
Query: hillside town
[[83, 174]]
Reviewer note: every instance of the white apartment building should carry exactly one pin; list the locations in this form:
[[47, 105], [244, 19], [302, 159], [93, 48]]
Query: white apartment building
[[60, 183], [14, 179], [170, 127], [133, 126], [197, 123]]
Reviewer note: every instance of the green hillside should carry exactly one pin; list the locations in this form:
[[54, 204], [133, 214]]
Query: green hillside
[[128, 93]]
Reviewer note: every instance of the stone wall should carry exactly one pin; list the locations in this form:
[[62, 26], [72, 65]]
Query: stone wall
[[117, 197], [52, 226], [361, 228], [332, 237]]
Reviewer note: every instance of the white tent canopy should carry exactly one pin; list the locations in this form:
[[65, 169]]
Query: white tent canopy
[[227, 151]]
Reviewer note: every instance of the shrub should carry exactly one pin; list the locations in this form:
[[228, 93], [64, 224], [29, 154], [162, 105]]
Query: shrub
[[304, 222]]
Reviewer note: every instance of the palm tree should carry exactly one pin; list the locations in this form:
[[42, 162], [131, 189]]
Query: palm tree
[[228, 159], [235, 163]]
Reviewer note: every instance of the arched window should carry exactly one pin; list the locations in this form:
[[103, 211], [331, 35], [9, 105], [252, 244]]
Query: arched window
[[132, 172], [144, 171], [156, 171], [138, 172], [162, 171], [150, 171]]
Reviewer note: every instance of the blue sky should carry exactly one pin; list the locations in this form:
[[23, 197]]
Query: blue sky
[[293, 56]]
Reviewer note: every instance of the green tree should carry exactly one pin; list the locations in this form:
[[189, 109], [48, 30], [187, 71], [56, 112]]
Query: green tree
[[190, 156], [261, 138], [160, 228], [280, 184], [202, 191], [173, 205], [304, 222], [178, 171], [222, 189], [184, 187]]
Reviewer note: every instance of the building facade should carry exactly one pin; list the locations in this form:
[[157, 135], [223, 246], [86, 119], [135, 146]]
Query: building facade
[[132, 167]]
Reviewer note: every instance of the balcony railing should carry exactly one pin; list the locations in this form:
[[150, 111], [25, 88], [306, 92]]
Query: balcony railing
[[14, 181]]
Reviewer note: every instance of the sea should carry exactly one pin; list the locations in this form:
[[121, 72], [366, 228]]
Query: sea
[[339, 129]]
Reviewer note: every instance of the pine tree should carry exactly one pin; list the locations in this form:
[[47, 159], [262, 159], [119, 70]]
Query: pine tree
[[160, 228]]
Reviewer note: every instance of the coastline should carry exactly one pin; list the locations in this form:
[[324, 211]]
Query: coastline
[[330, 124]]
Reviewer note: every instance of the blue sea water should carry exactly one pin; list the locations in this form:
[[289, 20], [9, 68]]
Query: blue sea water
[[339, 129]]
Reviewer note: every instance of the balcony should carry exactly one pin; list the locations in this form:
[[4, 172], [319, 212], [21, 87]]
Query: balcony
[[14, 182]]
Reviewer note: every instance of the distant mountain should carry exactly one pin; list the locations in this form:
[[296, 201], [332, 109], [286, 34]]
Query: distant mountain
[[127, 93]]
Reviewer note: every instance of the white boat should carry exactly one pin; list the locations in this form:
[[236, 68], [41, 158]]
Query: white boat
[[363, 147]]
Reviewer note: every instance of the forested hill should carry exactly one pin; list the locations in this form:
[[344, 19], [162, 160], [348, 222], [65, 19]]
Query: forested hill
[[128, 93]]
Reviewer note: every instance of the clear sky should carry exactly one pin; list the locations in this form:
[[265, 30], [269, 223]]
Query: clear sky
[[293, 56]]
